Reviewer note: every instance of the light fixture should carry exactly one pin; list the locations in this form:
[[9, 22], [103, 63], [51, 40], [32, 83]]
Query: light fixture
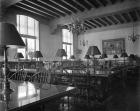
[[60, 53], [37, 55], [83, 42], [133, 37], [77, 26], [18, 56], [104, 55], [72, 57], [9, 38], [115, 57], [93, 50], [124, 55]]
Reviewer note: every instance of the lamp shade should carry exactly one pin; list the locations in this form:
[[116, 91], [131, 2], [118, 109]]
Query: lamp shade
[[9, 36], [18, 56], [132, 56], [104, 55], [61, 53], [37, 54], [115, 56], [87, 57], [124, 54], [93, 50], [72, 57]]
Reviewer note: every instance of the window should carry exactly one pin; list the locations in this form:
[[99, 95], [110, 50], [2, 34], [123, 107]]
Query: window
[[29, 30], [67, 38]]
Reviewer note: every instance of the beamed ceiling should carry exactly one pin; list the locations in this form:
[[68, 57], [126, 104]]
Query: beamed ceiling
[[54, 9]]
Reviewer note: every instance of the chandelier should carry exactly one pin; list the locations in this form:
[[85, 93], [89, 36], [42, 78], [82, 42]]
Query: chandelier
[[77, 26], [133, 37]]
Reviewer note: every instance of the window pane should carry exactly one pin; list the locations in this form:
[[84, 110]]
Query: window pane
[[65, 48], [23, 49], [36, 28], [18, 22], [31, 26], [68, 51], [23, 24], [31, 44]]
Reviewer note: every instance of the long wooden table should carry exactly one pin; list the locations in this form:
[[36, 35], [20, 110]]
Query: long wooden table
[[27, 94]]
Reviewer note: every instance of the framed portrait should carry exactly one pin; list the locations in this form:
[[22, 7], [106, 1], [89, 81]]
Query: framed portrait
[[113, 46]]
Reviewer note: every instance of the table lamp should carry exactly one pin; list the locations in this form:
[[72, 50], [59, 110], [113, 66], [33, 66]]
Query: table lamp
[[60, 53], [124, 54], [9, 38], [37, 55], [87, 57], [93, 50], [104, 55], [132, 58], [72, 57], [115, 57], [18, 56]]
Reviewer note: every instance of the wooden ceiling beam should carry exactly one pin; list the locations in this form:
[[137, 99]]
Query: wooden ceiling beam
[[90, 23], [106, 20], [61, 4], [115, 17], [33, 8], [87, 25], [81, 5], [8, 3], [70, 5], [75, 5], [101, 21], [123, 18], [45, 9], [52, 7], [58, 4], [107, 17], [100, 3], [137, 14], [109, 2], [89, 3], [20, 7]]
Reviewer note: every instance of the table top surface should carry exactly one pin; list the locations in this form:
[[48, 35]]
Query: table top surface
[[26, 94]]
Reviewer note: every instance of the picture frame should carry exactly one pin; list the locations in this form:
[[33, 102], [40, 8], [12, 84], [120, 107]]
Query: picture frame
[[113, 46]]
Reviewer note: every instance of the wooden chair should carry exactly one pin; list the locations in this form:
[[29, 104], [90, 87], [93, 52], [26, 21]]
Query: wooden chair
[[41, 76], [19, 75]]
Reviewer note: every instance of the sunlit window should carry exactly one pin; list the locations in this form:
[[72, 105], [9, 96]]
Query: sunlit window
[[67, 38], [29, 30]]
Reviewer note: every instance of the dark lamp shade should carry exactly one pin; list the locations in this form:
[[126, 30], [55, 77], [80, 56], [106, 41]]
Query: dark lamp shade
[[93, 50], [9, 36], [61, 53], [124, 54], [132, 56], [18, 55], [37, 54], [87, 57], [115, 56], [104, 55], [72, 57]]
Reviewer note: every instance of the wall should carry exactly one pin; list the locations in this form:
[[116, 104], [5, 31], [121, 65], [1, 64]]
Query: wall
[[95, 38], [49, 42]]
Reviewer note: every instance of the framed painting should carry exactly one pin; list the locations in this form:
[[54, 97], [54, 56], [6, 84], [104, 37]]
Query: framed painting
[[113, 46]]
